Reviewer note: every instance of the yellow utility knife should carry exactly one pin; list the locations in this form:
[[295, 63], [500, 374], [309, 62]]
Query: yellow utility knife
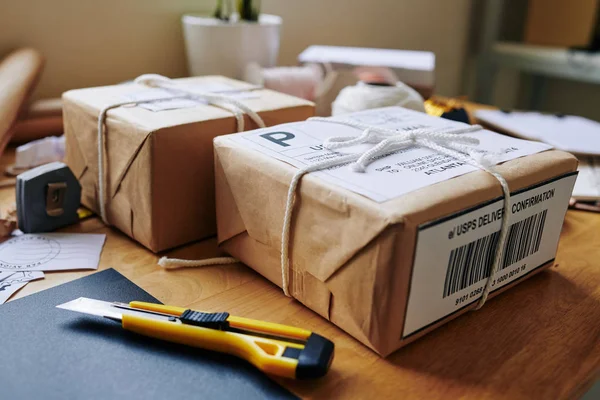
[[273, 348]]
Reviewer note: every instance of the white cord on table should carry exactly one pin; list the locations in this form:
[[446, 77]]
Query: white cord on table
[[172, 263]]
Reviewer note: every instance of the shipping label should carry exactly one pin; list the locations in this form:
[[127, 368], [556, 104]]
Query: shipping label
[[453, 256], [174, 100], [393, 175]]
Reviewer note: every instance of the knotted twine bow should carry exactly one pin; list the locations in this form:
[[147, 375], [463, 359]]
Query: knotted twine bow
[[447, 141], [158, 81]]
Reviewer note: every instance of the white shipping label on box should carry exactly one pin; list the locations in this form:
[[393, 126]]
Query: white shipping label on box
[[156, 99], [453, 255], [301, 144]]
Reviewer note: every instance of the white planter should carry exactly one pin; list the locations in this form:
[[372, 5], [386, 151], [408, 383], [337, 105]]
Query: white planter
[[215, 47]]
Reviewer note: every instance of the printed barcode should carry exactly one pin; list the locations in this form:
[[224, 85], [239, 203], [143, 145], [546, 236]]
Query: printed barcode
[[472, 262]]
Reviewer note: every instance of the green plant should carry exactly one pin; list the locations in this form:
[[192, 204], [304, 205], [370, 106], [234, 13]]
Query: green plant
[[247, 10]]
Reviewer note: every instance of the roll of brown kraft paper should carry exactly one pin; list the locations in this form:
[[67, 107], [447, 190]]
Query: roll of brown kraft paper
[[26, 130], [19, 72], [42, 108]]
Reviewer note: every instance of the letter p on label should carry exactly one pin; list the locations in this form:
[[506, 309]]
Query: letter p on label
[[279, 138]]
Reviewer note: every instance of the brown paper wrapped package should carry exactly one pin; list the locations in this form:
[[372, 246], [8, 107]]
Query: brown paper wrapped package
[[159, 165], [351, 257]]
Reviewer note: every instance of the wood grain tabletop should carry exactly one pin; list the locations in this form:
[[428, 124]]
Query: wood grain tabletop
[[539, 340]]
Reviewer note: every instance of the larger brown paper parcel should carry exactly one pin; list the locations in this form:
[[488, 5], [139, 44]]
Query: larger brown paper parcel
[[159, 155], [391, 253]]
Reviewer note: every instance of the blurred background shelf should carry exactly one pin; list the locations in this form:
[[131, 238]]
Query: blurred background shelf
[[534, 42], [548, 61]]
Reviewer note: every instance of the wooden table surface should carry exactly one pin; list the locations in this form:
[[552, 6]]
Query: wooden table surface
[[539, 340]]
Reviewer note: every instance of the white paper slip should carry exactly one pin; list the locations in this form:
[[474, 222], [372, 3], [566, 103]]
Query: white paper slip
[[13, 276], [587, 186], [301, 144], [569, 133], [39, 152], [12, 281], [9, 290], [173, 100], [171, 104], [452, 276], [51, 252]]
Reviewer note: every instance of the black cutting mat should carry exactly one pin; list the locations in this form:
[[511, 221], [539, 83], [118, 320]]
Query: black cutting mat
[[50, 353]]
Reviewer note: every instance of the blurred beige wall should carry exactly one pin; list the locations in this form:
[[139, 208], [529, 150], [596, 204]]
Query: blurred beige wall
[[98, 42]]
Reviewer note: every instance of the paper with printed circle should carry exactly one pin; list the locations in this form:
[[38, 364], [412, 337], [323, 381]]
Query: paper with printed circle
[[51, 252]]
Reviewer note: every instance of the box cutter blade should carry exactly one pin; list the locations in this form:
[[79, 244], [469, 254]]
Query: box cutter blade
[[273, 348]]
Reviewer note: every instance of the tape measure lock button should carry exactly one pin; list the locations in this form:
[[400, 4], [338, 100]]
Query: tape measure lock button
[[55, 198], [47, 198]]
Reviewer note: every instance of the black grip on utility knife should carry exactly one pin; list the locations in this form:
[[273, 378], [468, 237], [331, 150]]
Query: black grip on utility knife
[[205, 320]]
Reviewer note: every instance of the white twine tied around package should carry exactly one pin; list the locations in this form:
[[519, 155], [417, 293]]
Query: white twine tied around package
[[449, 141], [178, 91]]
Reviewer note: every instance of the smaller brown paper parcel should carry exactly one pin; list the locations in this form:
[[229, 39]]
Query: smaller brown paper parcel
[[159, 165]]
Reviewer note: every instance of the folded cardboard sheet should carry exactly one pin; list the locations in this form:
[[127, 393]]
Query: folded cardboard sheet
[[19, 73]]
